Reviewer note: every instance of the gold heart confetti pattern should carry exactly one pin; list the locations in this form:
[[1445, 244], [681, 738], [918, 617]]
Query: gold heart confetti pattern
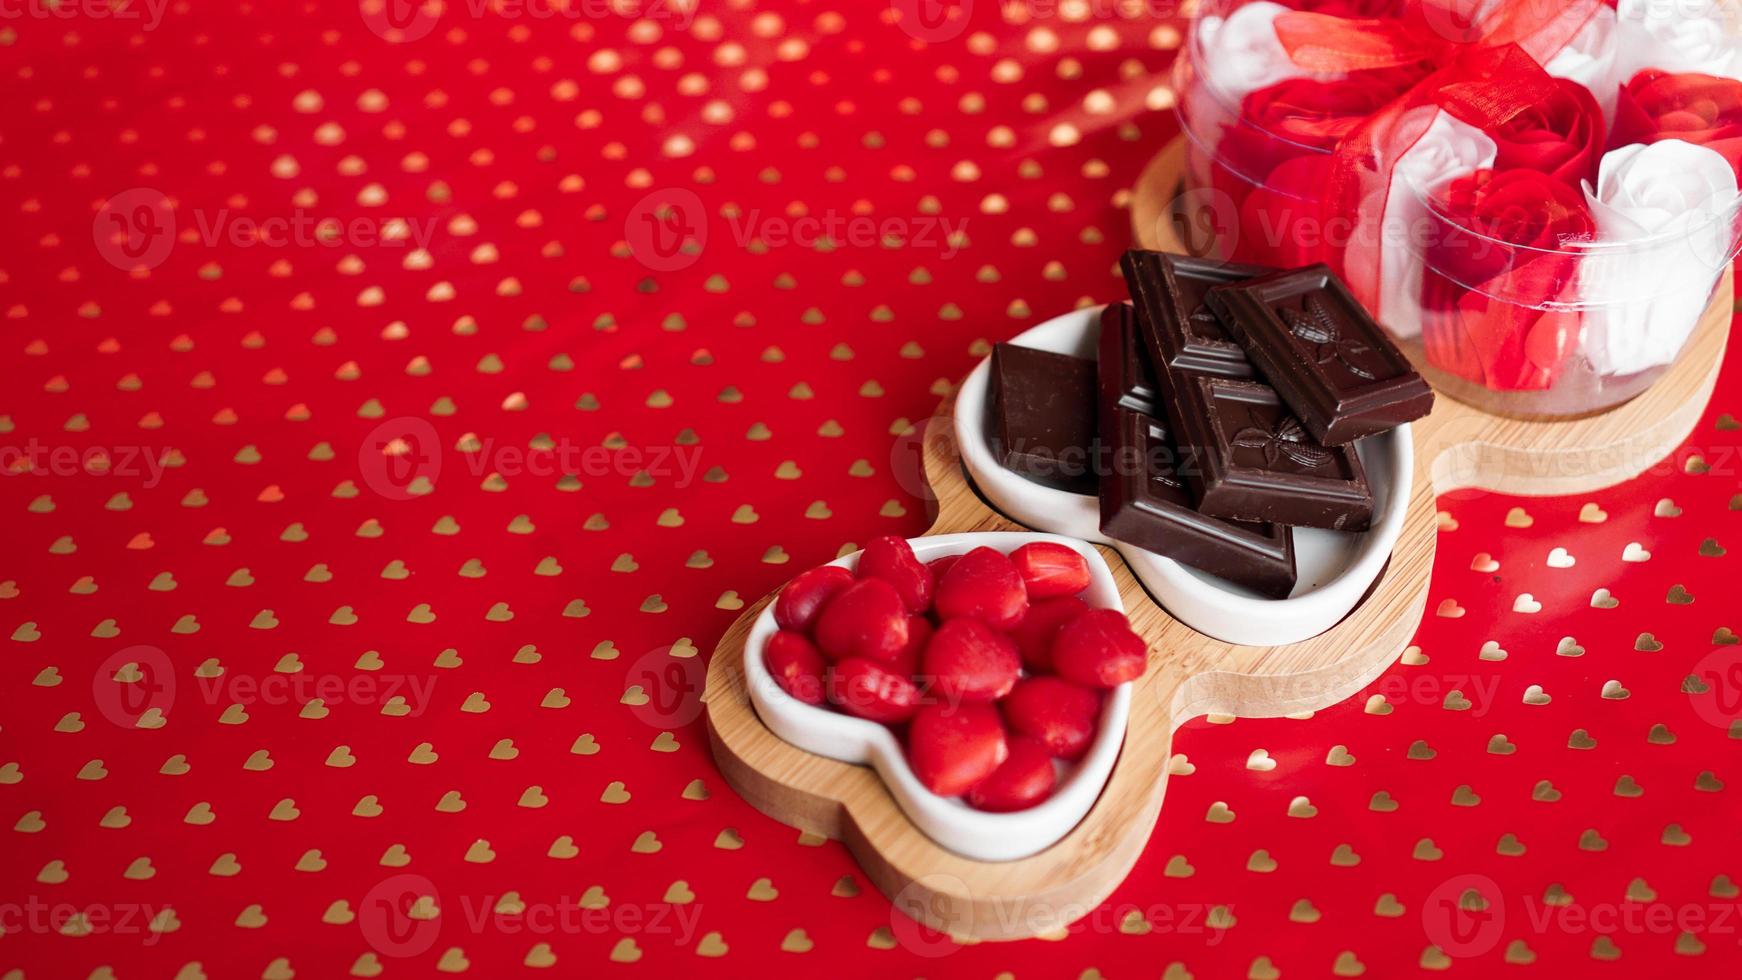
[[468, 663]]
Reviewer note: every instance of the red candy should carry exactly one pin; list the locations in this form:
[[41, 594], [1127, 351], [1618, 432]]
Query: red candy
[[868, 689], [804, 597], [994, 663], [796, 665], [892, 560], [919, 633], [1050, 569], [1059, 714], [952, 747], [1098, 649], [1025, 778], [865, 619], [939, 566], [1034, 634], [983, 585], [970, 661]]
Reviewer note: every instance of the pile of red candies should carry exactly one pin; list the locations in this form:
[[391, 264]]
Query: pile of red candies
[[992, 662]]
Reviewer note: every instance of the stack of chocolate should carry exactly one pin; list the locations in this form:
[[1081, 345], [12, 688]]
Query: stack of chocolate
[[1225, 410]]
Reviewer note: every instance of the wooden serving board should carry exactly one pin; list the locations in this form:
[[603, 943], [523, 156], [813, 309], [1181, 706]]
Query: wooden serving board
[[1189, 674]]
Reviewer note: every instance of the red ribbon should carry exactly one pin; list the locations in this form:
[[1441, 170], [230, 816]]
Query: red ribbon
[[1430, 31], [1695, 108], [1485, 87], [1488, 73]]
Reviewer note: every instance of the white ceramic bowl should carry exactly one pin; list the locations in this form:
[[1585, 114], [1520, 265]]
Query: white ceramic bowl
[[1335, 567], [949, 821]]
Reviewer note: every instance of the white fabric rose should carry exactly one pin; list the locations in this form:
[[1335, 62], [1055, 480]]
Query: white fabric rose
[[1671, 197], [1679, 36], [1450, 148], [1242, 53], [1590, 59]]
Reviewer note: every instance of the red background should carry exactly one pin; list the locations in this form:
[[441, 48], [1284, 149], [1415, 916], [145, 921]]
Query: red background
[[270, 373]]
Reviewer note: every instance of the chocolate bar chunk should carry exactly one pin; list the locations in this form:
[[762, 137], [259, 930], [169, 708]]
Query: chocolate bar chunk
[[1327, 359], [1258, 464], [1126, 376], [1170, 289], [1143, 501], [1244, 456], [1041, 420]]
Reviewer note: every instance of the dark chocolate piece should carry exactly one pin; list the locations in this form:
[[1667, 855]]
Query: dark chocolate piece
[[1126, 376], [1144, 502], [1170, 289], [1258, 463], [1041, 417], [1243, 454], [1326, 358]]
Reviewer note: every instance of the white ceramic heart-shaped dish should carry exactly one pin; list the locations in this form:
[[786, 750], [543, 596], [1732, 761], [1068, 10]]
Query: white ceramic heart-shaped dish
[[972, 833], [1335, 568]]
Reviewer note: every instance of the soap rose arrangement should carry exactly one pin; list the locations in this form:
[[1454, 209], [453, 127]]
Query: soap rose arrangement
[[989, 665], [1542, 194]]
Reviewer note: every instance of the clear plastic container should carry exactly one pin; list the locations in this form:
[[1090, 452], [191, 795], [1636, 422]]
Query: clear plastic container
[[1560, 331], [1546, 329]]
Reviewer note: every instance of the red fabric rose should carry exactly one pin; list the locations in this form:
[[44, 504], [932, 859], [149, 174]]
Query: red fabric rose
[[1561, 137], [1692, 107], [1280, 223], [1493, 265], [1285, 131], [1317, 113], [1302, 117]]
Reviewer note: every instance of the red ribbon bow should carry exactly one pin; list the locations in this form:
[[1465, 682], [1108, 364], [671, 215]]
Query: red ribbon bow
[[1489, 72], [1430, 31]]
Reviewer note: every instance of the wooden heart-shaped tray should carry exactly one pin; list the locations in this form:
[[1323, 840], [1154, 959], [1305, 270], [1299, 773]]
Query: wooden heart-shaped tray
[[1190, 674]]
